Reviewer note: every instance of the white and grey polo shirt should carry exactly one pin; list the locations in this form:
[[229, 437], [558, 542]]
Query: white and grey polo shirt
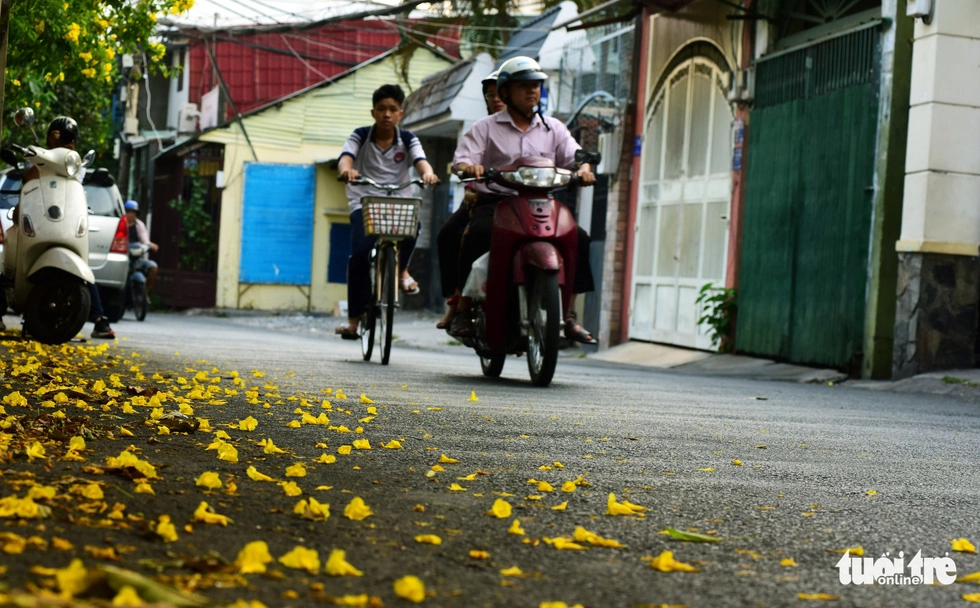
[[390, 166]]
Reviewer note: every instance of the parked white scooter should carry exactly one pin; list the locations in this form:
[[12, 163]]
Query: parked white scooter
[[45, 254]]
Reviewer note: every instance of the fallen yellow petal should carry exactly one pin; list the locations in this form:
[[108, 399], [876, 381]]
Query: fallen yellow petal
[[789, 562], [963, 545], [290, 488], [254, 474], [665, 562], [455, 487], [337, 565], [969, 578], [206, 514], [248, 424], [479, 554], [858, 550], [125, 432], [326, 459], [515, 528], [430, 539], [365, 400], [818, 596], [971, 597], [296, 470], [473, 396], [560, 507], [501, 509], [394, 444], [443, 459], [166, 529], [344, 449], [569, 486], [127, 596], [737, 463], [357, 510], [209, 480], [301, 558], [512, 571], [362, 444], [253, 558], [410, 588]]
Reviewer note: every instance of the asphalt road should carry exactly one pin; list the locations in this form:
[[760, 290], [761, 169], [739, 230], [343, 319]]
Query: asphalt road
[[823, 468]]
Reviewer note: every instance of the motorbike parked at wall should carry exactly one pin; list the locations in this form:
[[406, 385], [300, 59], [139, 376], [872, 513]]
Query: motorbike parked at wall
[[531, 267], [45, 254]]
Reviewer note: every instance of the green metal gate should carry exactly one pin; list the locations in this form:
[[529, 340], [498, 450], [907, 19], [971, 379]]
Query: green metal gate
[[808, 202]]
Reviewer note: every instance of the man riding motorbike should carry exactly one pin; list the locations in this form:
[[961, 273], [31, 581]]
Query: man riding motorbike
[[497, 141]]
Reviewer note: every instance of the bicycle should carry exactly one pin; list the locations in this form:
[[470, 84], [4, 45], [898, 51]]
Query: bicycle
[[389, 219]]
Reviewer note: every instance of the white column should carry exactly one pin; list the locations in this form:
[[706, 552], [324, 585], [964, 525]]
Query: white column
[[941, 207]]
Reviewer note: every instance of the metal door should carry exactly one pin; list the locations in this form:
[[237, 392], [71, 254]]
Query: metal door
[[808, 201], [681, 230]]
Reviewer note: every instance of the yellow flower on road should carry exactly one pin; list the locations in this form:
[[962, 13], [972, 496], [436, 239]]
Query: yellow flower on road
[[209, 480], [443, 459], [515, 528], [206, 514], [512, 571], [963, 545], [253, 558], [296, 470], [665, 562], [410, 588], [312, 509], [34, 451], [248, 424], [337, 565], [394, 444], [362, 444], [584, 536], [365, 400], [501, 509], [166, 529], [428, 539], [302, 558], [357, 510], [621, 508], [254, 474]]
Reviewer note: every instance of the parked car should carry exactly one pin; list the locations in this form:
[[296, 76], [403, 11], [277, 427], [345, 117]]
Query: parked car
[[108, 254], [108, 240]]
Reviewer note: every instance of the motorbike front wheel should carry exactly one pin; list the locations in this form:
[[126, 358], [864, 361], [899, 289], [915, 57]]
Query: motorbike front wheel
[[492, 365], [544, 331], [57, 308], [140, 300]]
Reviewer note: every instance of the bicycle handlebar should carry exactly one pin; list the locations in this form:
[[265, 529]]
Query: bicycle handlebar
[[389, 188]]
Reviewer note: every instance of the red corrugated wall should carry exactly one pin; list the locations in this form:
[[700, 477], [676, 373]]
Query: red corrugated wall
[[261, 68]]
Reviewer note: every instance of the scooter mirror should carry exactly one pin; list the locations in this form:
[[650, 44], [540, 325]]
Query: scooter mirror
[[89, 159], [8, 156], [24, 117], [585, 156]]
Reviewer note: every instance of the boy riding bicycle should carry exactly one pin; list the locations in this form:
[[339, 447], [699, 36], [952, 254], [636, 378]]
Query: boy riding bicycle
[[385, 153]]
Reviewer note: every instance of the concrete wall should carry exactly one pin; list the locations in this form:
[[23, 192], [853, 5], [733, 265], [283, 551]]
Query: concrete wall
[[942, 184]]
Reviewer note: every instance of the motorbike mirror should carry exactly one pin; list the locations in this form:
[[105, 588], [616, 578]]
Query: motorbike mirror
[[89, 159], [24, 117], [585, 156], [8, 156]]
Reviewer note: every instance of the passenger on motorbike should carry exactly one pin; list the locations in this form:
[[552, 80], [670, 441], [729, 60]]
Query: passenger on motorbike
[[499, 140]]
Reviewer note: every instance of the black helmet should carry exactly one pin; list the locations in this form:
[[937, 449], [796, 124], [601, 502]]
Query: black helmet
[[66, 126]]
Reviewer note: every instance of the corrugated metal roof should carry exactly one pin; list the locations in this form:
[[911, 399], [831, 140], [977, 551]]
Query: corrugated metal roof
[[437, 92], [265, 67], [529, 39]]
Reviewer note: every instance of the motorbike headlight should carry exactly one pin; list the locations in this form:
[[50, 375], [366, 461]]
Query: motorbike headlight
[[73, 163], [538, 177]]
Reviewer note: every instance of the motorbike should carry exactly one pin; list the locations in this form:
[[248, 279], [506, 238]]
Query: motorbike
[[135, 293], [45, 268], [531, 267]]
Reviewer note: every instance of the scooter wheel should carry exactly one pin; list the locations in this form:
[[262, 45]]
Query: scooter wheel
[[56, 309]]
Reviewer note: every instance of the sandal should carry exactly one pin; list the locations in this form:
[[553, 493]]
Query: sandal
[[410, 286], [462, 325], [447, 319], [345, 332], [574, 331]]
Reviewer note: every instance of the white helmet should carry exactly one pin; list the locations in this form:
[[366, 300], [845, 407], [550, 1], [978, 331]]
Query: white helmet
[[519, 68]]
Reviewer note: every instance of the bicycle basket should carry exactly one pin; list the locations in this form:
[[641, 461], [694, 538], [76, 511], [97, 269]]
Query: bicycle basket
[[391, 217]]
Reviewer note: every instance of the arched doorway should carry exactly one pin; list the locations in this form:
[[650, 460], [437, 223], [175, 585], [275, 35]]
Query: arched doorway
[[681, 232]]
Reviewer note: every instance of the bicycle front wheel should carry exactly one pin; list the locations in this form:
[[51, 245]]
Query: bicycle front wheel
[[369, 318], [387, 309]]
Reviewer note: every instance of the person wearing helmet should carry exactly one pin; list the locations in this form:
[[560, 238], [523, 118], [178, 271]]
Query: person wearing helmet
[[499, 140], [63, 133], [448, 239], [139, 234]]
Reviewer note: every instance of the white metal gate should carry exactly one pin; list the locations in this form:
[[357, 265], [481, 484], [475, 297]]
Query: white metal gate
[[681, 232]]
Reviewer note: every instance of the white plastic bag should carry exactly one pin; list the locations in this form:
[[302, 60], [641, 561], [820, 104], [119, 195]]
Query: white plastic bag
[[476, 283]]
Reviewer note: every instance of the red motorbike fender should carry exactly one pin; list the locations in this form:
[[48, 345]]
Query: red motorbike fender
[[539, 254]]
